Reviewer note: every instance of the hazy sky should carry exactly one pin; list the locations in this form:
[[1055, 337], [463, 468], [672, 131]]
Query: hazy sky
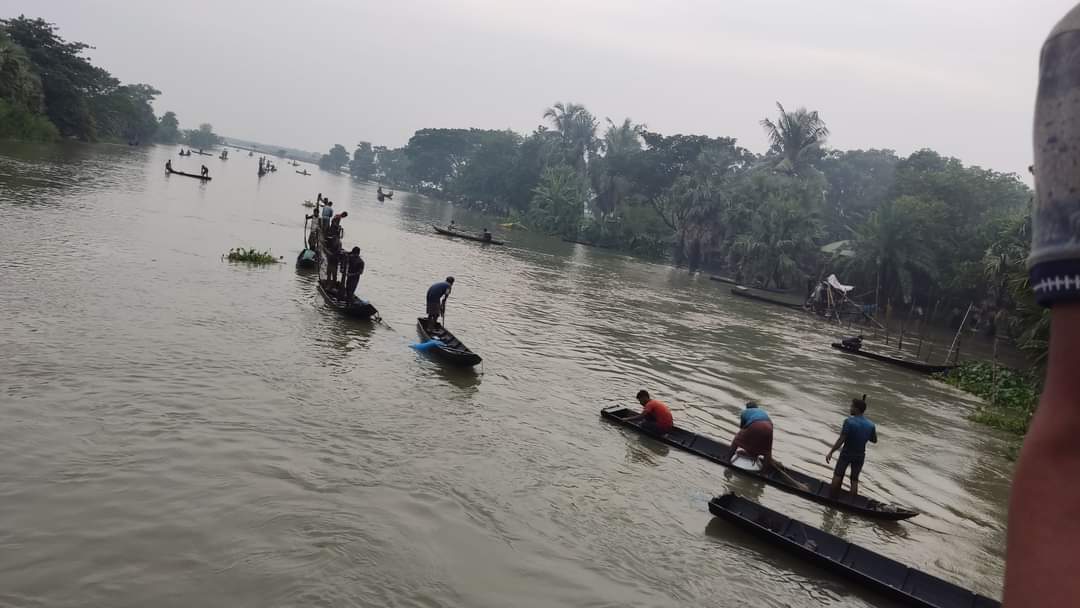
[[957, 75]]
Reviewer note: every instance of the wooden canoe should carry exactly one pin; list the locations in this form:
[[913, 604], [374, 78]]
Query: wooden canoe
[[450, 348], [746, 292], [908, 585], [918, 366], [358, 308], [202, 177], [470, 237], [816, 490]]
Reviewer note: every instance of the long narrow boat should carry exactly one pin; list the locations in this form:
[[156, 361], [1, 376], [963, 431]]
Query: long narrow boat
[[202, 177], [201, 153], [357, 308], [908, 585], [816, 490], [731, 281], [745, 292], [577, 242], [918, 366], [450, 349], [470, 237]]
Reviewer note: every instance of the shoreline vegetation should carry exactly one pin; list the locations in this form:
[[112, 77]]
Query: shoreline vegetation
[[50, 91], [1010, 396]]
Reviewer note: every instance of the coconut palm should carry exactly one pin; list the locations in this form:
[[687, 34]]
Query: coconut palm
[[622, 139], [794, 137], [577, 126]]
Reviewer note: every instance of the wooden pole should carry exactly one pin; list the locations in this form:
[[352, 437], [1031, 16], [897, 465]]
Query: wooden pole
[[956, 339]]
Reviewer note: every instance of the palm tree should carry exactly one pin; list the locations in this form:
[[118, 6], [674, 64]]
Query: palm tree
[[892, 248], [794, 136], [622, 139], [577, 126]]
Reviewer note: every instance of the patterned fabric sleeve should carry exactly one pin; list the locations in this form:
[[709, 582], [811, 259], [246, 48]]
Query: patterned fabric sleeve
[[1055, 246]]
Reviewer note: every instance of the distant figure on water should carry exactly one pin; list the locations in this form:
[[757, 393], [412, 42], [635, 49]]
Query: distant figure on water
[[452, 226], [437, 295], [205, 172], [755, 436], [854, 435], [655, 415], [486, 235], [354, 267], [168, 165]]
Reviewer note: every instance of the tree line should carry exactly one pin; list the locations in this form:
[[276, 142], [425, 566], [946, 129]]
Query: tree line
[[922, 232], [49, 90]]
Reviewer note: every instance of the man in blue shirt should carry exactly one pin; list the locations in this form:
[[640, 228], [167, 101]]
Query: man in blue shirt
[[755, 436], [436, 298], [857, 430]]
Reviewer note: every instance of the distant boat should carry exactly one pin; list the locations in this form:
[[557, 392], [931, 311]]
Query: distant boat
[[304, 172], [462, 235], [200, 152]]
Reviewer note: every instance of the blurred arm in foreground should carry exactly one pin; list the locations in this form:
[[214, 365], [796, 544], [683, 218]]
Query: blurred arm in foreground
[[1044, 510]]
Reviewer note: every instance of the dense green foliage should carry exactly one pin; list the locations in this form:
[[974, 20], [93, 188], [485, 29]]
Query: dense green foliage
[[251, 256], [202, 138], [917, 232], [168, 129], [49, 89], [362, 165], [336, 159], [1011, 396]]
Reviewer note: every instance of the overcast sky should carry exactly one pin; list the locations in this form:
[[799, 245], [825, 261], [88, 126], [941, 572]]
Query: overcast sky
[[956, 75]]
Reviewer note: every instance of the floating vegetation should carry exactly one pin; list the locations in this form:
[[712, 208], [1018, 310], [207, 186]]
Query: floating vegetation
[[251, 256]]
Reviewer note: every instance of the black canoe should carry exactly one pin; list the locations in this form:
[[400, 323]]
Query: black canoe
[[911, 586], [745, 292], [357, 308], [577, 242], [303, 173], [731, 281], [462, 235], [717, 451], [450, 349], [202, 153], [175, 172], [918, 366]]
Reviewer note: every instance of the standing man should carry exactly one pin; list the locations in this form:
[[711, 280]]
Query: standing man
[[437, 295], [335, 224], [354, 267], [655, 415], [857, 430], [205, 171], [755, 436], [327, 213]]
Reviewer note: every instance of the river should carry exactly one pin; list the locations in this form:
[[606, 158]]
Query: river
[[177, 430]]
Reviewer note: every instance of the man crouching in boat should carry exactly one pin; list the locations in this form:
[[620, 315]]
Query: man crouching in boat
[[655, 415], [755, 435]]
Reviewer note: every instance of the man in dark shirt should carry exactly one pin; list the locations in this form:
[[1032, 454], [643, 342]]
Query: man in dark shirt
[[436, 298], [354, 267]]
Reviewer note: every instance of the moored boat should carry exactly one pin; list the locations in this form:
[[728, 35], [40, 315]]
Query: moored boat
[[911, 586], [746, 292], [470, 237], [918, 366], [448, 348], [813, 489], [357, 308]]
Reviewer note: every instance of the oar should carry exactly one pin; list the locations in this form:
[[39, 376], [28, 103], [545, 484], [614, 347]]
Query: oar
[[780, 469]]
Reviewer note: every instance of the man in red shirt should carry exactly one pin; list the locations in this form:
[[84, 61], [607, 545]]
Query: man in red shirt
[[655, 415]]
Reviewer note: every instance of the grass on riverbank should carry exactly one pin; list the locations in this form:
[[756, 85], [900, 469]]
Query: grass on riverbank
[[251, 256], [1011, 396]]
